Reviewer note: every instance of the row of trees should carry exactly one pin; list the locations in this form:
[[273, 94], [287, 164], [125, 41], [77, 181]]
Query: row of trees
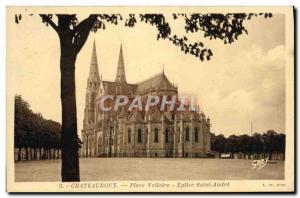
[[35, 137], [269, 142]]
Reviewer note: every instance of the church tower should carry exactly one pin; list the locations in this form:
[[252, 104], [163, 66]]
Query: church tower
[[120, 77], [92, 87]]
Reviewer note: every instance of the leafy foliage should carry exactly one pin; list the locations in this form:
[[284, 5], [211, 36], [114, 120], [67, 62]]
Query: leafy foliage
[[268, 142], [32, 130]]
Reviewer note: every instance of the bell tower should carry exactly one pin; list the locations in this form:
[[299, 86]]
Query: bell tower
[[120, 77], [92, 87]]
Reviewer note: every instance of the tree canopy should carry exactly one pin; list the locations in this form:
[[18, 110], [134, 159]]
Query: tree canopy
[[32, 130], [269, 142]]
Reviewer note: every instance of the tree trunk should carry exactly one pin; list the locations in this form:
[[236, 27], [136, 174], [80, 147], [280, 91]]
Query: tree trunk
[[270, 155], [53, 153], [40, 153], [69, 143], [43, 153], [19, 154], [57, 153], [29, 153], [26, 153], [35, 153]]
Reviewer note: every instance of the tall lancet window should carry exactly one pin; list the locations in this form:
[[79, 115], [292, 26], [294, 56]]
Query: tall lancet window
[[129, 135], [196, 134], [146, 135], [187, 134], [139, 135], [156, 135], [167, 135]]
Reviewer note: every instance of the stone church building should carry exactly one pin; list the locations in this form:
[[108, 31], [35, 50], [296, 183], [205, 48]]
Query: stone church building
[[136, 133]]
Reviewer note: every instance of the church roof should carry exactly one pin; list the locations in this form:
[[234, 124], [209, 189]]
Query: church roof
[[158, 81], [121, 88]]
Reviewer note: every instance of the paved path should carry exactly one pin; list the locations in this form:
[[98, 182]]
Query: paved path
[[105, 169]]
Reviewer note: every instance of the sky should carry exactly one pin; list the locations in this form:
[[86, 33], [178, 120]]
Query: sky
[[243, 82]]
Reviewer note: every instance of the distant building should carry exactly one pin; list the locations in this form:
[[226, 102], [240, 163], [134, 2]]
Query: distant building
[[135, 133]]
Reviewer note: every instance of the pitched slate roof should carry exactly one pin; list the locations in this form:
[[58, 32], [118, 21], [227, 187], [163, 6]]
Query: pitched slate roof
[[111, 87], [158, 81]]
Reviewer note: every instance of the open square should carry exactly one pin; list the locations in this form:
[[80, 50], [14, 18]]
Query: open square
[[116, 169]]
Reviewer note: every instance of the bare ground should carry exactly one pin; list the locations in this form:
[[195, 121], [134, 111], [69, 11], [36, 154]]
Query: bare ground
[[112, 169]]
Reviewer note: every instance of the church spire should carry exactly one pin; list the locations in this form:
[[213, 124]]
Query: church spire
[[94, 73], [120, 77]]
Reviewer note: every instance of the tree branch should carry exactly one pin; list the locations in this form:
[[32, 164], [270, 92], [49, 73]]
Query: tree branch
[[82, 30], [47, 19]]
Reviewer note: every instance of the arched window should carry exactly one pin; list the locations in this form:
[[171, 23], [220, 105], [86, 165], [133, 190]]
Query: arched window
[[156, 135], [187, 134], [139, 135], [167, 135], [129, 135], [196, 134]]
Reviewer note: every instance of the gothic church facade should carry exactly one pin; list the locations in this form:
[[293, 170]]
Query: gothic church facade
[[135, 133]]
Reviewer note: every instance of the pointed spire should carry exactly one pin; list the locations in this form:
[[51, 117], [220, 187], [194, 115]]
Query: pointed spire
[[94, 73], [120, 77]]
